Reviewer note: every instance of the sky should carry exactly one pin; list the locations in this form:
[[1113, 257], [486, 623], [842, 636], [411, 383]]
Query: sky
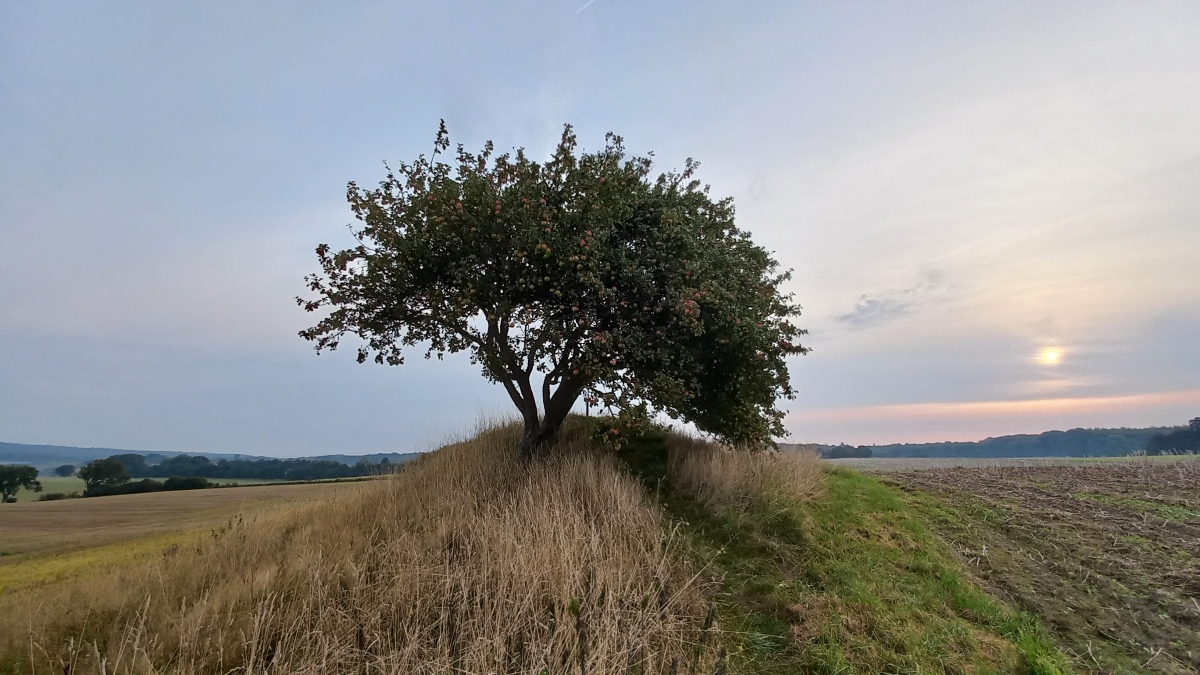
[[992, 210]]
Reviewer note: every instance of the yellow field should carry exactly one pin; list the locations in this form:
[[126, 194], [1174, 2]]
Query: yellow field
[[43, 541]]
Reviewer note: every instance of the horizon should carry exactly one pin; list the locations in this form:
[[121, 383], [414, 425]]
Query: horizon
[[990, 210], [452, 439]]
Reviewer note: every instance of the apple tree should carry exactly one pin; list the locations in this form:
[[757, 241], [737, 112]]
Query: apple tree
[[634, 291]]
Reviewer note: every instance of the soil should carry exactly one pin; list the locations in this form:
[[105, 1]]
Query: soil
[[1107, 554]]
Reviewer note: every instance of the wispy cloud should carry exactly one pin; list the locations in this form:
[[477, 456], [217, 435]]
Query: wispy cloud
[[874, 309]]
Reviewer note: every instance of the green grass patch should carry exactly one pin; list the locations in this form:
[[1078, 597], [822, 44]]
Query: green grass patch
[[1172, 513], [854, 582], [52, 484]]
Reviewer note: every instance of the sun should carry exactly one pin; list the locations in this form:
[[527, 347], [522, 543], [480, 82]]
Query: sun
[[1050, 356]]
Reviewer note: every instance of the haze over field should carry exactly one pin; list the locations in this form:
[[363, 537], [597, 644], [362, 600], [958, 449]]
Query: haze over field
[[991, 211]]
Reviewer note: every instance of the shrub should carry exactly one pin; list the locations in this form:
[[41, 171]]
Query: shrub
[[53, 496], [186, 483]]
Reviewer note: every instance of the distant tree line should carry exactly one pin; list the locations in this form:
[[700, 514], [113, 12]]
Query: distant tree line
[[264, 469], [105, 477], [1180, 440], [1072, 443], [843, 451]]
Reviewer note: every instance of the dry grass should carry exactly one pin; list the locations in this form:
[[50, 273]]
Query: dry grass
[[721, 477], [465, 562]]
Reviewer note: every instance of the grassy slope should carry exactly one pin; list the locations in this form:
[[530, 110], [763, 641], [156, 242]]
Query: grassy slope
[[851, 582]]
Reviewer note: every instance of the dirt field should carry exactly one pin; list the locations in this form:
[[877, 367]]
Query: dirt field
[[1107, 553], [41, 528], [889, 464]]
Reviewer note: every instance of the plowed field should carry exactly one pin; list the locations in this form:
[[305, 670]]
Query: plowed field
[[1108, 554]]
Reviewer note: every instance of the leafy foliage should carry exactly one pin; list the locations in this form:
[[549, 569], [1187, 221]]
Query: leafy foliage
[[101, 475], [65, 470], [1071, 443], [13, 477], [629, 290], [266, 469], [1186, 439]]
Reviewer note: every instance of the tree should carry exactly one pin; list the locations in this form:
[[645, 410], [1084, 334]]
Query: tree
[[134, 463], [65, 470], [1186, 439], [626, 290], [13, 477], [102, 474]]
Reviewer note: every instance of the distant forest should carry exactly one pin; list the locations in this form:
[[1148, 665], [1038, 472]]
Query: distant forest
[[268, 469], [47, 457], [1072, 443]]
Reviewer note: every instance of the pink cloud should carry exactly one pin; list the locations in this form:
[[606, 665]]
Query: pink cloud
[[974, 420]]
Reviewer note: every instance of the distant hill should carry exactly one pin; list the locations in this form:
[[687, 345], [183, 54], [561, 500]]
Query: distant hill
[[1071, 443], [46, 457]]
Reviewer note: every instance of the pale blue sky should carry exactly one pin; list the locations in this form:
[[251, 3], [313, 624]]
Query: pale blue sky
[[958, 186]]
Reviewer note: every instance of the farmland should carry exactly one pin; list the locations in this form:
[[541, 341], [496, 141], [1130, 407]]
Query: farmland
[[1105, 552], [52, 484], [793, 567], [46, 540]]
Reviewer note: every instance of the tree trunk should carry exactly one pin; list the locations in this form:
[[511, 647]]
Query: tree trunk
[[537, 442], [540, 437]]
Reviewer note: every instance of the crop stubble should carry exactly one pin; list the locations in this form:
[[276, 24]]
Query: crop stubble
[[1107, 554]]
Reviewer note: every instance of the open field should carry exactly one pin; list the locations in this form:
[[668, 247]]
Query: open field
[[75, 484], [39, 529], [887, 464], [1106, 552], [52, 483]]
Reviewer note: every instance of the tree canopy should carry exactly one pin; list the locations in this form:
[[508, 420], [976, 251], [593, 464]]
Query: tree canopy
[[1186, 439], [101, 475], [626, 289], [65, 470], [13, 477]]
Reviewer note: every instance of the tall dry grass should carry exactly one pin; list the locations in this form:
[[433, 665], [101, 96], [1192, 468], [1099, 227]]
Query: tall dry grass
[[722, 477], [465, 562]]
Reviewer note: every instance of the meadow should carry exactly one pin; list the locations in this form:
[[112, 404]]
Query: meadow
[[51, 483]]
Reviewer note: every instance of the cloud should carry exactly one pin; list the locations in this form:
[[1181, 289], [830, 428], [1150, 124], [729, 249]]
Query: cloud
[[974, 420], [872, 310]]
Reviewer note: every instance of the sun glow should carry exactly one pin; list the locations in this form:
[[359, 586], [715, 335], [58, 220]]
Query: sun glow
[[1050, 356]]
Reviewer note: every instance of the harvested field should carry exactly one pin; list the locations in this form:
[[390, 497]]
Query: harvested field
[[889, 464], [1107, 553], [41, 528]]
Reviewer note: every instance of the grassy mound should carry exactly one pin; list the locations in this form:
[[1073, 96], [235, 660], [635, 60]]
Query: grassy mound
[[464, 562]]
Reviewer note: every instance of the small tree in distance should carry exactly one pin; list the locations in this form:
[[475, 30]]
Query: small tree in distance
[[99, 474], [628, 290], [13, 477], [64, 470]]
